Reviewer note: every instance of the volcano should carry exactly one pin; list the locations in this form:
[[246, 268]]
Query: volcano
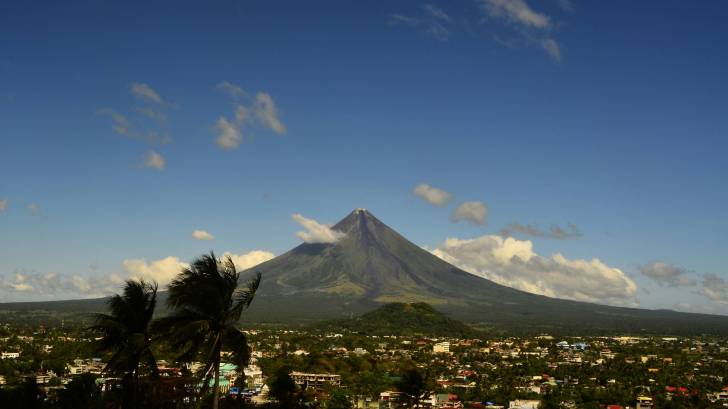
[[373, 265]]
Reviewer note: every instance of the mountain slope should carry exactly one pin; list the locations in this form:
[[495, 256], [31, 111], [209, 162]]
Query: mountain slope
[[374, 264]]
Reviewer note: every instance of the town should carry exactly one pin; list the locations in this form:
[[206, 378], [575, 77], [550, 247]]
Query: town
[[350, 370]]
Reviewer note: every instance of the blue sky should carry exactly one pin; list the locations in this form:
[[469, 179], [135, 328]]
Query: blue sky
[[610, 116]]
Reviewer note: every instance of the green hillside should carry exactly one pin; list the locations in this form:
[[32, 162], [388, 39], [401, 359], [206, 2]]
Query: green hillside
[[402, 319]]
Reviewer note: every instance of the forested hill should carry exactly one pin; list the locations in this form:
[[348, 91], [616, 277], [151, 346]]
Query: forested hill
[[402, 319]]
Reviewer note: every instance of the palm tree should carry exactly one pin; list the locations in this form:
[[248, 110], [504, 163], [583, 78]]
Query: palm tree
[[206, 304], [125, 332]]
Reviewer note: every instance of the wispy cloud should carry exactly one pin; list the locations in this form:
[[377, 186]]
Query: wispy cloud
[[267, 113], [552, 48], [431, 194], [431, 20], [473, 212], [3, 204], [316, 232], [34, 209], [570, 231], [259, 110], [516, 12], [233, 90], [229, 135], [532, 26], [145, 93], [715, 288], [146, 123], [154, 160]]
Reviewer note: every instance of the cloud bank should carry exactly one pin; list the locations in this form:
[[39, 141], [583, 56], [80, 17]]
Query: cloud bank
[[514, 263], [22, 285]]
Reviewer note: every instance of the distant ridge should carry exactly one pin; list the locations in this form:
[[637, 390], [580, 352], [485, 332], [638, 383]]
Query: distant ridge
[[373, 265]]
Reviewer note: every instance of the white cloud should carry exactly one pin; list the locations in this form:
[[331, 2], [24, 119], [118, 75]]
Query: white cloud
[[667, 274], [145, 93], [233, 90], [514, 263], [202, 235], [473, 212], [154, 160], [3, 204], [516, 12], [316, 232], [229, 136], [552, 48], [267, 113], [244, 261], [432, 195], [162, 271]]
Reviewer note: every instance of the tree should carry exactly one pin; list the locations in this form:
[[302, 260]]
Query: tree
[[283, 389], [206, 305], [126, 333], [81, 392], [414, 387], [338, 399]]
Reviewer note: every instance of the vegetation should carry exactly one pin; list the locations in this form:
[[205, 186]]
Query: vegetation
[[402, 319], [206, 305], [126, 332]]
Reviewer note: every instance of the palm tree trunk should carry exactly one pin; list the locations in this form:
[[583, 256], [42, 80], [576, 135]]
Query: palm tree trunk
[[216, 393]]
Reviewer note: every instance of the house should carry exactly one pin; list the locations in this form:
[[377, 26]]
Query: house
[[10, 355], [524, 404]]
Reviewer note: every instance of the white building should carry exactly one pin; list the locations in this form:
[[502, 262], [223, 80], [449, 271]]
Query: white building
[[10, 355], [441, 348], [524, 404], [315, 380]]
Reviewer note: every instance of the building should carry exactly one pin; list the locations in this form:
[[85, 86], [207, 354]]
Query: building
[[644, 402], [315, 380], [10, 355], [524, 404], [441, 348]]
